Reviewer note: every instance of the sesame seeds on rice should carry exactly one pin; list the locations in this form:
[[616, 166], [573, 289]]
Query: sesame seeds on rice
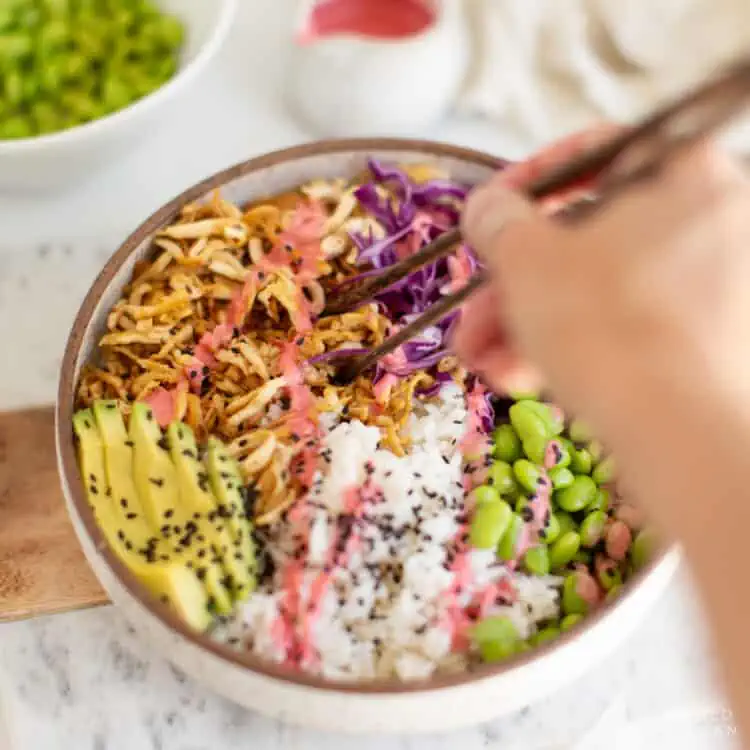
[[386, 560]]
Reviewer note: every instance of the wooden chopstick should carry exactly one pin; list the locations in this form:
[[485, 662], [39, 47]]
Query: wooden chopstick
[[649, 145]]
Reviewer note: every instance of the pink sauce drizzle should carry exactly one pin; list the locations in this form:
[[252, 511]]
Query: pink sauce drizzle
[[377, 19], [475, 442], [459, 268]]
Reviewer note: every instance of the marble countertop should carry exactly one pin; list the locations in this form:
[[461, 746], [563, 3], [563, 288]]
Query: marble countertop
[[81, 680]]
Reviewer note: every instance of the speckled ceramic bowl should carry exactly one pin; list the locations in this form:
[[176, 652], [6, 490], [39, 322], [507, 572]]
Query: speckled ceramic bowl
[[435, 705]]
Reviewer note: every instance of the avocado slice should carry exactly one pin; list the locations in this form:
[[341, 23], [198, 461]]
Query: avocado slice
[[226, 480], [165, 581], [158, 487], [133, 527], [196, 494]]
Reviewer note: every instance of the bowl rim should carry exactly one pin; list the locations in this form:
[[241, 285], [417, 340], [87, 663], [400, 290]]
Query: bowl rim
[[70, 476], [221, 26]]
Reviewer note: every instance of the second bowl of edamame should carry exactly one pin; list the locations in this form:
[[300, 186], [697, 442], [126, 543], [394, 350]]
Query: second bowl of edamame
[[81, 80]]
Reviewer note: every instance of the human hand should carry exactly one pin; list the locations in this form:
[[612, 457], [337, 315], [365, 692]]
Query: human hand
[[647, 296]]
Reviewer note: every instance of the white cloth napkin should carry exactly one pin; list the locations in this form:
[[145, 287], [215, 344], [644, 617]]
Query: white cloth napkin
[[544, 68]]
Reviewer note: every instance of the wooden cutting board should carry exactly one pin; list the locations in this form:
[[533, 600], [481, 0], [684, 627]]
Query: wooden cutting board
[[42, 567]]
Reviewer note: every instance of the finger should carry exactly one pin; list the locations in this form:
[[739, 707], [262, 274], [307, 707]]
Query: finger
[[489, 210], [506, 372], [479, 327]]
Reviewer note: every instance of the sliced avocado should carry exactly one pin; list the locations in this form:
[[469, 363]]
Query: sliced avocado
[[196, 494], [133, 527], [176, 583], [179, 587], [226, 480], [159, 490]]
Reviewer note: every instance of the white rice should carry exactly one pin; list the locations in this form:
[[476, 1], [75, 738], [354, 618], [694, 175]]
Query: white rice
[[384, 613]]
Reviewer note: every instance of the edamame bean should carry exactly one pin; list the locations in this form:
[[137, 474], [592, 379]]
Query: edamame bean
[[485, 494], [572, 602], [556, 455], [535, 449], [579, 432], [552, 416], [608, 574], [596, 449], [536, 561], [508, 546], [16, 127], [569, 622], [605, 471], [583, 556], [581, 462], [614, 592], [502, 478], [564, 549], [507, 444], [545, 635], [527, 423], [565, 521], [578, 496], [529, 476], [527, 395], [643, 548], [601, 501], [496, 638], [490, 522], [552, 530], [561, 477], [592, 528]]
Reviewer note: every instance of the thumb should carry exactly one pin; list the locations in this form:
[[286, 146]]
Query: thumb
[[489, 210]]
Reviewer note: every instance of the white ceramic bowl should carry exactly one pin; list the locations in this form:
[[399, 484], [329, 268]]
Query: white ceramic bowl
[[52, 161], [434, 705]]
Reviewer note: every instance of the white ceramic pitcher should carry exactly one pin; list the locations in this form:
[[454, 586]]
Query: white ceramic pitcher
[[377, 67]]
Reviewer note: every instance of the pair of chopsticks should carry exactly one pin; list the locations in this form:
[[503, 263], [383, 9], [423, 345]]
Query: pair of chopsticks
[[633, 155]]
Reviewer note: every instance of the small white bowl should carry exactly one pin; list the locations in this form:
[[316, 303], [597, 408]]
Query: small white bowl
[[51, 161]]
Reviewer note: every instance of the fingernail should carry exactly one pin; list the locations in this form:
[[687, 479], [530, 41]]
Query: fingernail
[[488, 211]]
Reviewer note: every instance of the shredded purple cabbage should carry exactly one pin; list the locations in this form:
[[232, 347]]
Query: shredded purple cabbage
[[437, 204]]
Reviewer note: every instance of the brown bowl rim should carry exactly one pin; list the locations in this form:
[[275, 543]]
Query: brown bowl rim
[[69, 467]]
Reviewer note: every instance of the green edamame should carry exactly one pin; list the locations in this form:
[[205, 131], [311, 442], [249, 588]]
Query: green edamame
[[496, 638], [565, 521], [545, 635], [579, 432], [529, 475], [508, 546], [502, 478], [485, 494], [572, 602], [564, 549], [642, 548], [65, 62], [601, 501], [536, 560], [592, 528], [551, 415], [507, 444], [581, 461], [561, 477], [604, 471], [608, 575], [490, 522], [535, 449], [578, 495], [527, 423], [552, 530], [596, 449], [569, 622]]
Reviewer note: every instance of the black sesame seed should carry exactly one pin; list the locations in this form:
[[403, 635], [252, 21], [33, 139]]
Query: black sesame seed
[[168, 513], [131, 516], [156, 481], [93, 490], [124, 502]]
